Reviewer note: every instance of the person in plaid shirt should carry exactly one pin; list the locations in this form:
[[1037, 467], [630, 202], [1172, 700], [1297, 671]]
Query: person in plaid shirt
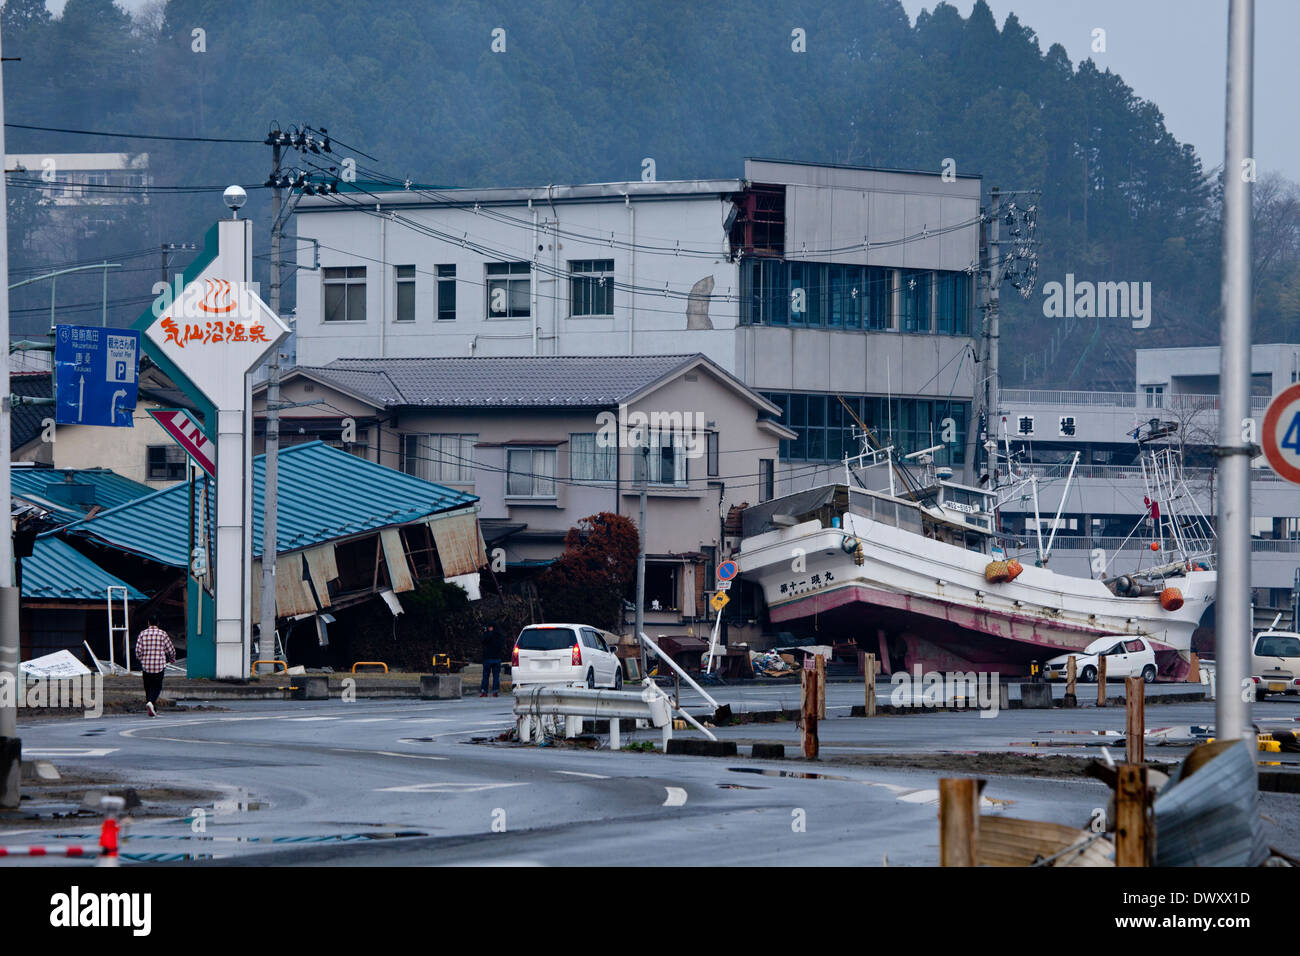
[[154, 650]]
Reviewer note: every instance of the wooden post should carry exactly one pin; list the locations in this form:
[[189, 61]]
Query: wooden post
[[1135, 727], [959, 820], [808, 711], [1101, 681], [1134, 828], [870, 669], [1194, 672], [1070, 699], [821, 687]]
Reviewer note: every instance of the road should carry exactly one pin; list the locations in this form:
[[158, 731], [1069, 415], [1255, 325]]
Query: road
[[405, 782]]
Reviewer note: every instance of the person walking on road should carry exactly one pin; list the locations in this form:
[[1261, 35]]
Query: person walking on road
[[154, 650], [494, 645]]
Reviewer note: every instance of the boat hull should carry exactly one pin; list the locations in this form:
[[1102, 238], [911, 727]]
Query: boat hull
[[915, 600]]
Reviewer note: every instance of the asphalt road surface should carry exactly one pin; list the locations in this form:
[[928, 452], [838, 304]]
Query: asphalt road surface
[[423, 783]]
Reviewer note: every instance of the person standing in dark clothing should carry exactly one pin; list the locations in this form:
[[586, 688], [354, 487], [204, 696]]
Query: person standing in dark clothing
[[494, 647]]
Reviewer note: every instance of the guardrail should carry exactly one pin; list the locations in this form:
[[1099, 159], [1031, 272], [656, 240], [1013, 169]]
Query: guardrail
[[1169, 401], [369, 664], [283, 664], [576, 703]]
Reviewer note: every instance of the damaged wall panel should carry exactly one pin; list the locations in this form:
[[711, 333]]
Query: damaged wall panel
[[460, 544], [399, 572], [292, 596], [322, 567]]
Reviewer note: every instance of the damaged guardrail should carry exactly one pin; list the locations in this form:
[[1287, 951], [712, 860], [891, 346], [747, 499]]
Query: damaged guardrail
[[574, 704]]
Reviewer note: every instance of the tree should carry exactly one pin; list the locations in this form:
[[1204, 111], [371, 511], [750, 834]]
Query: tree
[[587, 582]]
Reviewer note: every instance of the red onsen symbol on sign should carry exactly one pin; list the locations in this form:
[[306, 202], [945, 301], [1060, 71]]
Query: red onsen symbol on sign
[[218, 290]]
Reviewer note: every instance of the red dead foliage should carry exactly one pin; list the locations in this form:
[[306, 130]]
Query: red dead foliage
[[586, 584]]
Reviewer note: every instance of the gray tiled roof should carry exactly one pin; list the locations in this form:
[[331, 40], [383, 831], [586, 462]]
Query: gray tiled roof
[[515, 382]]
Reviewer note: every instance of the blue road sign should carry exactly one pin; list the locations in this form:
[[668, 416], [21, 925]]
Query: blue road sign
[[95, 379], [727, 570]]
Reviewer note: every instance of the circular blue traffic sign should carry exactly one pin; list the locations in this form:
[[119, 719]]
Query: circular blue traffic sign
[[727, 570]]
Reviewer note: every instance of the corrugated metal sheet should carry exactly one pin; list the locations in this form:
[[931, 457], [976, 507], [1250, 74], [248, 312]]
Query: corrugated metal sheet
[[460, 545], [324, 493], [56, 571]]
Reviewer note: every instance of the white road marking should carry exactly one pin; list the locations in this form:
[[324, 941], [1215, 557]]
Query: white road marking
[[69, 751], [676, 797], [578, 773], [447, 787], [305, 719], [394, 753], [367, 720]]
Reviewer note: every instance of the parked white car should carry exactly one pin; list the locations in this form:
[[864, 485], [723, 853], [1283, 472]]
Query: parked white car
[[1126, 656], [565, 654], [1275, 663]]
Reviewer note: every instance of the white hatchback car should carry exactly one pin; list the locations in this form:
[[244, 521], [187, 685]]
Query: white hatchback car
[[565, 654], [1126, 656]]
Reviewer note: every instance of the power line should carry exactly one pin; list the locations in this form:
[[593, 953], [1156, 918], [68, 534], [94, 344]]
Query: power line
[[91, 132]]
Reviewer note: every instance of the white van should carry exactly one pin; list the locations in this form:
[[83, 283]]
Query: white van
[[1275, 663]]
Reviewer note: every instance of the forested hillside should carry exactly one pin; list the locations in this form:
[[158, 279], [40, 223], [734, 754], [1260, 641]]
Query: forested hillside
[[585, 89]]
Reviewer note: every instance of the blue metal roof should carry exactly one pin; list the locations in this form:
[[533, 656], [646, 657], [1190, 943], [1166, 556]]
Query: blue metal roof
[[324, 493], [71, 492], [56, 571]]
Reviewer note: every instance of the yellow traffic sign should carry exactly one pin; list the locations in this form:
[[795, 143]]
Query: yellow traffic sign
[[719, 601]]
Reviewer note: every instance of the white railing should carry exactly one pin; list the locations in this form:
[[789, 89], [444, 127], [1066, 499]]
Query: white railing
[[1169, 401], [574, 703]]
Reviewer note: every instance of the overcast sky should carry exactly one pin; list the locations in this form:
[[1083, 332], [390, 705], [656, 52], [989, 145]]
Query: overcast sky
[[1172, 52]]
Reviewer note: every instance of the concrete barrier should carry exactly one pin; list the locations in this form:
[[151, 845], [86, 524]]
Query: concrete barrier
[[1036, 696], [768, 751], [694, 747], [311, 687], [440, 687]]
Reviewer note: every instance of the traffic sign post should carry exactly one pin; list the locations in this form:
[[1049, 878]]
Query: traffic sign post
[[1280, 436], [95, 380]]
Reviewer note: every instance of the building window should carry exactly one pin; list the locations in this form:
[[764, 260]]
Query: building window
[[1155, 396], [661, 587], [405, 294], [508, 288], [666, 460], [345, 294], [764, 300], [766, 480], [711, 453], [826, 429], [914, 301], [446, 293], [954, 299], [530, 472], [443, 458], [166, 462], [591, 287], [589, 460]]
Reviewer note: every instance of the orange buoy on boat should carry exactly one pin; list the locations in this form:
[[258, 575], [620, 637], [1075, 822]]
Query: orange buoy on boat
[[1014, 568], [996, 572], [1171, 599]]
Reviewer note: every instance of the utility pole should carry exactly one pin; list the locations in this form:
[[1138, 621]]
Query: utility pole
[[640, 556], [991, 315], [271, 473], [10, 745], [1232, 606]]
